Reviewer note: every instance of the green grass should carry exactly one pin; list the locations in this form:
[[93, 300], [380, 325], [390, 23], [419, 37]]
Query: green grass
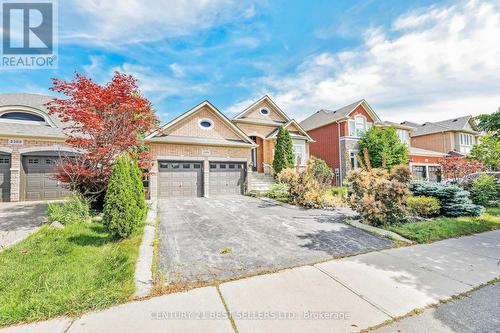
[[68, 271], [446, 227]]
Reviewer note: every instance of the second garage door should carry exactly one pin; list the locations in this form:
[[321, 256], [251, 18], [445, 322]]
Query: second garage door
[[180, 179], [4, 178], [39, 181], [227, 178]]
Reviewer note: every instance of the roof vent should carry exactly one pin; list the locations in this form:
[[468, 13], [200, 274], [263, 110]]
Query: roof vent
[[334, 111], [455, 120]]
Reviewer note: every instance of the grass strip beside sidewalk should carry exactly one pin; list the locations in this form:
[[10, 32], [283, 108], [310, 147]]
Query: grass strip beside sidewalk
[[65, 272]]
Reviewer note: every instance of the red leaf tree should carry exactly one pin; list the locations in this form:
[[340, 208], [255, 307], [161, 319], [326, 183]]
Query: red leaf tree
[[101, 121], [457, 167]]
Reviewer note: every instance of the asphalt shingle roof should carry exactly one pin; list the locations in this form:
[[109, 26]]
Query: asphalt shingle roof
[[324, 117], [26, 129], [454, 124]]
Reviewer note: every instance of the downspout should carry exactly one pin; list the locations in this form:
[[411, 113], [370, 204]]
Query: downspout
[[340, 155]]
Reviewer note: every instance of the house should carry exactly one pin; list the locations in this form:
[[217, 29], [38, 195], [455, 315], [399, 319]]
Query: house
[[452, 136], [203, 153], [199, 153], [31, 142], [336, 134]]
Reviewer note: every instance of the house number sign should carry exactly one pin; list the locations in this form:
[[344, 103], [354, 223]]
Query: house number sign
[[16, 141]]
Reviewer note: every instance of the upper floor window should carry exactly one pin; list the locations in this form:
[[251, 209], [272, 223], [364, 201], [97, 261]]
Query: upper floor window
[[206, 124], [264, 112], [404, 136], [358, 126], [23, 116], [465, 139]]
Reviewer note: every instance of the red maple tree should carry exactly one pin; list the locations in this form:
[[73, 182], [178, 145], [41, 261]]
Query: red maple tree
[[101, 122], [457, 167]]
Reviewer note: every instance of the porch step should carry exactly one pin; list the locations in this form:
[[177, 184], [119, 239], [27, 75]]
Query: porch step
[[261, 182]]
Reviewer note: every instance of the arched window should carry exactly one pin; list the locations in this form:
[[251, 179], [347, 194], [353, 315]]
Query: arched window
[[360, 123], [23, 116]]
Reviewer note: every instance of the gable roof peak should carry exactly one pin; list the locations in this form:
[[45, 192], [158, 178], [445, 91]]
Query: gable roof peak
[[270, 100]]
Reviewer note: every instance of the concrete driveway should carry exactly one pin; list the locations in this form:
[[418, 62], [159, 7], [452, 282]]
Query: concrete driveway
[[221, 238], [18, 220]]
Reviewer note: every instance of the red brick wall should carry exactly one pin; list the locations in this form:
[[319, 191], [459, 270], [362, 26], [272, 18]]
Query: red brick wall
[[326, 146], [424, 159]]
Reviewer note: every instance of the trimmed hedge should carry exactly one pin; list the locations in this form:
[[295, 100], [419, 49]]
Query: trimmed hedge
[[454, 200], [423, 206]]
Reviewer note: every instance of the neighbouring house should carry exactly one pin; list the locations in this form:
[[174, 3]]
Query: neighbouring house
[[31, 142], [200, 153], [336, 134], [452, 136], [203, 153]]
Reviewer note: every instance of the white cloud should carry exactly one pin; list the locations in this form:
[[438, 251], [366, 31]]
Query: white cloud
[[177, 70], [129, 21], [95, 66], [433, 64]]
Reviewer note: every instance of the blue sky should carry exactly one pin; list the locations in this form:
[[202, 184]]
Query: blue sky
[[414, 60]]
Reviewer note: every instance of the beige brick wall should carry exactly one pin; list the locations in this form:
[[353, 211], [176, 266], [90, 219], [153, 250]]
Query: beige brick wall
[[15, 167], [190, 126], [254, 112]]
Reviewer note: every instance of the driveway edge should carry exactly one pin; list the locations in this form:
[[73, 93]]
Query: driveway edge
[[143, 273], [378, 231]]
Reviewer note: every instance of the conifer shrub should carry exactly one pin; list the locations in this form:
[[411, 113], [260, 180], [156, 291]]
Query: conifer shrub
[[283, 151], [454, 200], [119, 203], [140, 206]]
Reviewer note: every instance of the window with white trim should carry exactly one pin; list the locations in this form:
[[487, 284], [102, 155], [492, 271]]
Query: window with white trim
[[465, 139], [358, 126], [404, 136], [299, 152]]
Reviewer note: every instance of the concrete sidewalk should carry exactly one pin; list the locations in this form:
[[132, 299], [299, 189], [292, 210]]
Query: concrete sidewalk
[[344, 295]]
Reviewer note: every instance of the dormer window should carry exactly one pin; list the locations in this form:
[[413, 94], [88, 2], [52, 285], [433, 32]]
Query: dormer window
[[22, 116], [264, 112]]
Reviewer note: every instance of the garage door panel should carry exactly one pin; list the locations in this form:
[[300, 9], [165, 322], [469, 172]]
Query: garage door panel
[[4, 178], [39, 179], [180, 179], [227, 178]]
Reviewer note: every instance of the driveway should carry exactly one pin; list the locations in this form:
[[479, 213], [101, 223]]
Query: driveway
[[18, 220], [221, 238]]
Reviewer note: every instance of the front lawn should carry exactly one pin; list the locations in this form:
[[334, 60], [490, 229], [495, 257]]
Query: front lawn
[[66, 271], [446, 227]]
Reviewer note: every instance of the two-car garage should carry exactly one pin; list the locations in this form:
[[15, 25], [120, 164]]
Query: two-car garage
[[186, 178]]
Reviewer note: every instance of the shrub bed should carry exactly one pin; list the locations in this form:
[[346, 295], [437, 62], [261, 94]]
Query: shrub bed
[[454, 200], [74, 210]]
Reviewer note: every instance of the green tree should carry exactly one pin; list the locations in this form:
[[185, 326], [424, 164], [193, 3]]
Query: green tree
[[384, 147], [138, 191], [283, 152], [487, 151], [119, 202], [490, 122]]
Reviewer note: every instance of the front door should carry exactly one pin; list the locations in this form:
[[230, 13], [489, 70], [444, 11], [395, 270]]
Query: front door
[[254, 154]]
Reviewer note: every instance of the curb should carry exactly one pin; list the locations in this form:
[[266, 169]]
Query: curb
[[143, 273], [378, 231]]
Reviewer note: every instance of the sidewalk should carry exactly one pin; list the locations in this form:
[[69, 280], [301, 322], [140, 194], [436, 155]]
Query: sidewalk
[[344, 295]]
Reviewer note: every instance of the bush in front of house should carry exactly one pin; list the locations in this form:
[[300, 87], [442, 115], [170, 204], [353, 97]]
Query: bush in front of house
[[484, 191], [307, 187], [423, 206], [138, 191], [119, 214], [278, 191], [283, 151], [73, 210], [454, 201], [380, 196]]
